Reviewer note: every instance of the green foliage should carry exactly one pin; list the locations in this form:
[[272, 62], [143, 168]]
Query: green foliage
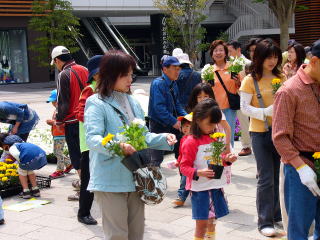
[[55, 20], [223, 36], [135, 135], [184, 24]]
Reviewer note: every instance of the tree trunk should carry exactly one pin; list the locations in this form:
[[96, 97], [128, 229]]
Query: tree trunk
[[284, 33]]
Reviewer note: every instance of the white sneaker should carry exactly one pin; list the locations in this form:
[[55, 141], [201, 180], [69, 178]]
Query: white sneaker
[[268, 232]]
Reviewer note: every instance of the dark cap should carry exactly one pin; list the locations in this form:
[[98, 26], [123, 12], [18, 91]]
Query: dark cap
[[93, 66], [168, 61], [315, 48]]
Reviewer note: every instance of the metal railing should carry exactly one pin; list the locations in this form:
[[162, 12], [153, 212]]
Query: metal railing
[[251, 16]]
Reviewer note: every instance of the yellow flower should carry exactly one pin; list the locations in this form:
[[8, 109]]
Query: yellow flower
[[4, 179], [8, 174], [107, 139], [217, 135], [316, 155], [1, 163], [2, 168], [15, 165], [1, 175], [276, 81]]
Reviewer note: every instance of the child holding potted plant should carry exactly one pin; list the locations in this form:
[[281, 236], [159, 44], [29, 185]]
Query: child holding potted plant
[[207, 192]]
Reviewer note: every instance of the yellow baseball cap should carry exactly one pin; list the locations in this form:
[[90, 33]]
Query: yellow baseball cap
[[187, 117]]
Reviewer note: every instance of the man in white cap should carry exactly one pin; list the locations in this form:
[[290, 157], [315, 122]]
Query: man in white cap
[[71, 80]]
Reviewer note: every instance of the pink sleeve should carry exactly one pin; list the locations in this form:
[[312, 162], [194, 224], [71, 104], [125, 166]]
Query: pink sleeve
[[188, 156]]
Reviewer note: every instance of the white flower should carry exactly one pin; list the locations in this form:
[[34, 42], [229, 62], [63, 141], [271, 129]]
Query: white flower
[[207, 72], [120, 137], [138, 122]]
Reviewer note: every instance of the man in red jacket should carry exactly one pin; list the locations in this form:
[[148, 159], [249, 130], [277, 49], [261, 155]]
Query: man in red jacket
[[71, 80]]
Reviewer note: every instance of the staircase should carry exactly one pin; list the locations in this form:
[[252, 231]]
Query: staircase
[[252, 19]]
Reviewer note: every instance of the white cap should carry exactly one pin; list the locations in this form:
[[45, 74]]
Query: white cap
[[57, 51], [176, 52], [184, 58]]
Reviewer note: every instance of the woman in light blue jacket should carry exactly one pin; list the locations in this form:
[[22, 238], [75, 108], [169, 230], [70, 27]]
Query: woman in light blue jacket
[[112, 183]]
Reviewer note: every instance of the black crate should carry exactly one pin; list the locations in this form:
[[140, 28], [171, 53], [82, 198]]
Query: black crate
[[43, 182]]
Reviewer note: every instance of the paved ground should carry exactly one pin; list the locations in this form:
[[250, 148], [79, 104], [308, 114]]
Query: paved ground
[[58, 219]]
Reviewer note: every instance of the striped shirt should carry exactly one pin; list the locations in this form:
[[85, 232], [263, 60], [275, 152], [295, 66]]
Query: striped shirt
[[296, 111]]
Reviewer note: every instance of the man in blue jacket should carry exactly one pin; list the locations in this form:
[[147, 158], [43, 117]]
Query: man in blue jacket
[[164, 105]]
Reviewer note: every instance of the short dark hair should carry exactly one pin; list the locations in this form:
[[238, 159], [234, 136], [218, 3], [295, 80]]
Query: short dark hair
[[2, 137], [114, 64], [264, 49], [215, 44], [252, 42], [65, 57], [300, 52], [200, 87], [235, 44], [206, 108], [184, 121]]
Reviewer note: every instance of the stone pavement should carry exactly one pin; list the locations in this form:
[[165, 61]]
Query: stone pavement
[[58, 219]]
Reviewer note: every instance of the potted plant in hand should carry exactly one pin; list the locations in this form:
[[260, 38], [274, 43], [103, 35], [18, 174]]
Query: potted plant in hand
[[207, 74], [236, 65], [316, 156], [216, 148]]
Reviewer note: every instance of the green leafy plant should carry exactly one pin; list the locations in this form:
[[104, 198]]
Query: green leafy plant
[[236, 65], [216, 148], [316, 156], [207, 73]]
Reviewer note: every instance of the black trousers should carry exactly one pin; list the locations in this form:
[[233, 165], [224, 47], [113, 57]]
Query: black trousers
[[268, 166], [72, 139], [86, 197], [157, 155]]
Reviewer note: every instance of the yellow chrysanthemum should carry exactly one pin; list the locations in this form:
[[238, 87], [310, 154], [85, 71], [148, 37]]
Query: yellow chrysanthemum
[[8, 174], [2, 168], [107, 139], [1, 175], [15, 165], [217, 135], [276, 81], [4, 179], [1, 163], [316, 155]]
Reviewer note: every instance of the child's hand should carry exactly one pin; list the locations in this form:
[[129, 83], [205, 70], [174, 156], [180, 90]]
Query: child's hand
[[208, 173], [176, 164], [230, 157], [50, 122], [226, 150]]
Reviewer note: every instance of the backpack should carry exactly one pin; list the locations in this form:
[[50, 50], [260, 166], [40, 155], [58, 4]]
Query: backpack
[[151, 185]]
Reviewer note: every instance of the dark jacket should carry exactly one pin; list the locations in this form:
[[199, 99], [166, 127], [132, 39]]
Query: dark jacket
[[185, 85], [161, 104]]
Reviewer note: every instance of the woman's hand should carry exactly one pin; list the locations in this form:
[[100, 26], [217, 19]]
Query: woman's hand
[[171, 139], [208, 173], [127, 149], [226, 150]]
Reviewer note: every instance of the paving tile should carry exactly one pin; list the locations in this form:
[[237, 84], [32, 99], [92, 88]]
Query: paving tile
[[48, 233], [18, 228], [63, 223]]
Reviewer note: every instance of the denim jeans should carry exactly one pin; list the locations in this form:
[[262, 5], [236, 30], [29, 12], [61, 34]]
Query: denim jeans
[[182, 192], [302, 207], [268, 165], [157, 155], [231, 119], [1, 210]]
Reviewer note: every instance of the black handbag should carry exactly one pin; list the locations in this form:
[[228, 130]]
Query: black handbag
[[233, 99]]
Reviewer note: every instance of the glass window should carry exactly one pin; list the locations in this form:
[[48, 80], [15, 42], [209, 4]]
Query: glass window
[[13, 57]]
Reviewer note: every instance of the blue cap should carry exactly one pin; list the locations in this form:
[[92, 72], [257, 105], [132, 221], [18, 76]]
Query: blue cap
[[168, 61], [315, 48], [12, 139], [93, 66], [53, 96]]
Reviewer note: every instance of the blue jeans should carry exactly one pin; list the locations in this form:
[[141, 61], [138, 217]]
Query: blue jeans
[[268, 167], [182, 192], [302, 207], [231, 119], [1, 210]]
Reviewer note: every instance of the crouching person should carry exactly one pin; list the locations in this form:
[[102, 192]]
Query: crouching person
[[29, 157]]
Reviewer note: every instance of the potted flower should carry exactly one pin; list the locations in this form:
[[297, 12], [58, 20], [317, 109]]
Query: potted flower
[[133, 134], [215, 161], [236, 65], [237, 130], [207, 74], [276, 84], [9, 178]]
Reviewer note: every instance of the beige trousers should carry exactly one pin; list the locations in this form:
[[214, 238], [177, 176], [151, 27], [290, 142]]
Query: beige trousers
[[122, 215], [244, 124]]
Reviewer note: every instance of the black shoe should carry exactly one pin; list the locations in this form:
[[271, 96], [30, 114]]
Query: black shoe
[[88, 220], [1, 221], [26, 194], [35, 192]]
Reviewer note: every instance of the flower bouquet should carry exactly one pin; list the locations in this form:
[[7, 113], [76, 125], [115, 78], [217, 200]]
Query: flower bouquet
[[276, 84], [207, 74], [237, 130], [133, 134], [215, 161], [236, 65], [316, 156]]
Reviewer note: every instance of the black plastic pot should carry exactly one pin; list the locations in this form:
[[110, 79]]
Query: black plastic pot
[[139, 159], [217, 170], [234, 75], [211, 82]]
